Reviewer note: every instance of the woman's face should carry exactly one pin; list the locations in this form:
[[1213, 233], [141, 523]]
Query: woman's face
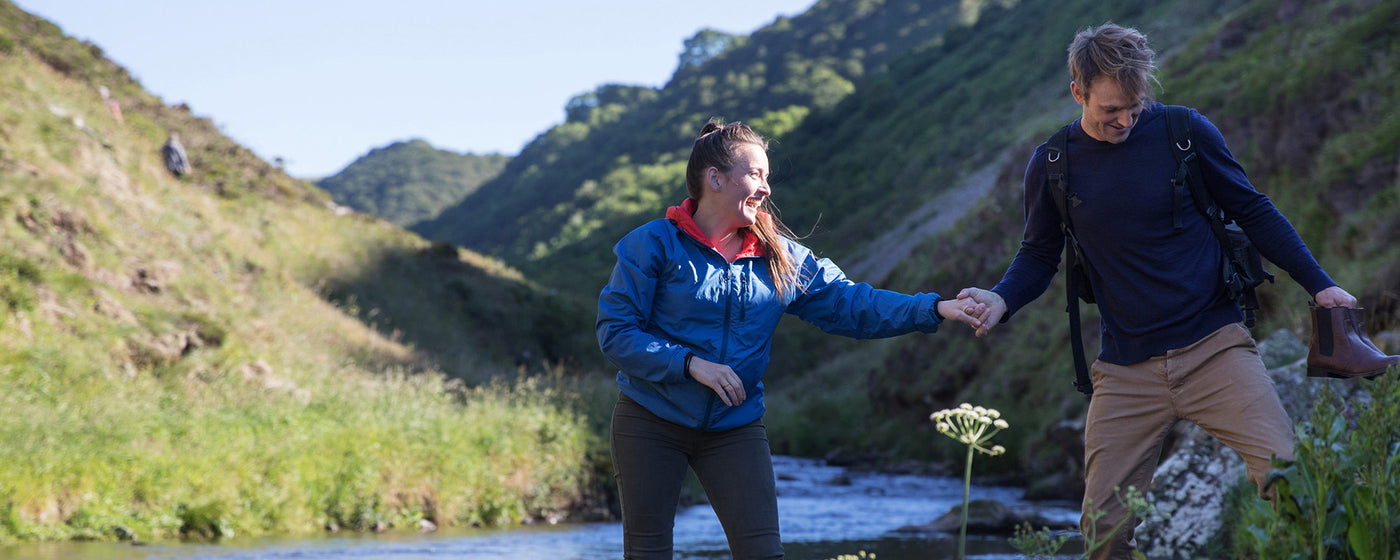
[[741, 191]]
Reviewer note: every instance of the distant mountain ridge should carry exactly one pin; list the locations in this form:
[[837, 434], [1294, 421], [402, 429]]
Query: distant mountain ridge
[[601, 173], [410, 182]]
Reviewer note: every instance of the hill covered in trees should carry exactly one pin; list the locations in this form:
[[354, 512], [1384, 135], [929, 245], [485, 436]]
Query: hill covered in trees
[[888, 112], [620, 155], [410, 182]]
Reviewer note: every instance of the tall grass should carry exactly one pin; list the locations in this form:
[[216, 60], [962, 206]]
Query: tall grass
[[173, 363], [211, 460]]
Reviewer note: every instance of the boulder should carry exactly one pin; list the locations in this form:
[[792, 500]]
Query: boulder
[[984, 517]]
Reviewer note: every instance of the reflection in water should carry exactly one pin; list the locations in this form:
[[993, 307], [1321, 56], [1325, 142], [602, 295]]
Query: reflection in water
[[824, 511]]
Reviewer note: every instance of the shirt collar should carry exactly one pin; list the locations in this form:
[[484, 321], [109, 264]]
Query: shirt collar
[[684, 217]]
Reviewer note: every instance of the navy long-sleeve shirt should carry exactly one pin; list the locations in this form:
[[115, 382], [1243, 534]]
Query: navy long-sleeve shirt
[[1157, 289]]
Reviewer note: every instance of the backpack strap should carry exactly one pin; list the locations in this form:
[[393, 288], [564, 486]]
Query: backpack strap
[[1188, 176], [1055, 165]]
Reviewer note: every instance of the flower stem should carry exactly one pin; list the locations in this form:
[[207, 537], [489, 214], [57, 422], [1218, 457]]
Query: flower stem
[[967, 485]]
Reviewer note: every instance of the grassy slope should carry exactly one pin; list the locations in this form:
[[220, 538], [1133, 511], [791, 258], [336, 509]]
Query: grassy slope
[[223, 354]]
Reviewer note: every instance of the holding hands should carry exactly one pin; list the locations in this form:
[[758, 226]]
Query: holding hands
[[975, 310], [963, 311], [981, 309]]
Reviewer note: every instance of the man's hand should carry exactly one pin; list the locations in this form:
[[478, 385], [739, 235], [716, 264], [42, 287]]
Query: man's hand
[[991, 308], [1335, 297]]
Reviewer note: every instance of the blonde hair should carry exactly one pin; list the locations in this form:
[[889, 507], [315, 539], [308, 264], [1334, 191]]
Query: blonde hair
[[1119, 53], [716, 147]]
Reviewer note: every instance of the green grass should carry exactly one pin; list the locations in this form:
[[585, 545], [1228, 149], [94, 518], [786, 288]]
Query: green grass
[[218, 458], [223, 355]]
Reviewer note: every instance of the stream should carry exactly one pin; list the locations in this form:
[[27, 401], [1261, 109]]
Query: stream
[[824, 512]]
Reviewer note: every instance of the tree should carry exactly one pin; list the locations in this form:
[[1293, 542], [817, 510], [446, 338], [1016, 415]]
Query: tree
[[703, 47]]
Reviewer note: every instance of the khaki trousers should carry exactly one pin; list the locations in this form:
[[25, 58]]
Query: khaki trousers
[[1219, 383]]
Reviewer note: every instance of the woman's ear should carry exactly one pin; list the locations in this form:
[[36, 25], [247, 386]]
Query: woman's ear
[[713, 175]]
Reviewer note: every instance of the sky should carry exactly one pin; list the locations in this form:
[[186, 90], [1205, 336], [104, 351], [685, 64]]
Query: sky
[[319, 83]]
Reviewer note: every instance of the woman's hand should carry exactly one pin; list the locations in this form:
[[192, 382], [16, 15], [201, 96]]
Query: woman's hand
[[988, 312], [719, 377], [964, 310]]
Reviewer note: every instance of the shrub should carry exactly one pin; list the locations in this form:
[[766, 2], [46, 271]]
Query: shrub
[[1340, 497]]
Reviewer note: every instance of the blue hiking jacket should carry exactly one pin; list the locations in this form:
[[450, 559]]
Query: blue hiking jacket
[[671, 294]]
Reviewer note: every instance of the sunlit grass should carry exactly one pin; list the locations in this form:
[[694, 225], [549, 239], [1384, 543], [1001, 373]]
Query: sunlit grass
[[173, 363], [219, 459]]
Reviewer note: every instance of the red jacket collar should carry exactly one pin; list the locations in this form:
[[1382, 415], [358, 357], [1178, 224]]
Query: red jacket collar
[[684, 218]]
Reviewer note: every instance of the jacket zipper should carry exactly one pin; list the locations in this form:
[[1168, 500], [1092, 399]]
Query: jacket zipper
[[724, 340], [744, 292]]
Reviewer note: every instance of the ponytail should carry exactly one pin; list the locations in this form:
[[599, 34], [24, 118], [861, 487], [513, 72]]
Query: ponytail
[[715, 147]]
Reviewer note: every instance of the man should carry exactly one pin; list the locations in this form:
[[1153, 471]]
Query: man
[[1173, 344]]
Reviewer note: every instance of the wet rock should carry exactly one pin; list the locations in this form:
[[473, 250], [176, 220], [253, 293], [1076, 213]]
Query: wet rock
[[853, 459], [985, 517], [426, 526]]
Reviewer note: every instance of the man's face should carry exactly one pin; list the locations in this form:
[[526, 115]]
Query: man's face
[[1109, 112]]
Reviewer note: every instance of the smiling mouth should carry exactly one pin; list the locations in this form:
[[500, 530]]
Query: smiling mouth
[[753, 202]]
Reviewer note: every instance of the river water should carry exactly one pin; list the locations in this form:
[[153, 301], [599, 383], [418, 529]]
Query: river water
[[824, 512]]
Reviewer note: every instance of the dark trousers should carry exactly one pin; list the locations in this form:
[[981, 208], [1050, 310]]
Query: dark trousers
[[650, 456]]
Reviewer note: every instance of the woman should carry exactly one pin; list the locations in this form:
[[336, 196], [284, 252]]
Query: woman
[[688, 316]]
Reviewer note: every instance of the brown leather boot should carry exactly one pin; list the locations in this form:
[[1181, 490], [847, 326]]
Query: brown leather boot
[[1340, 347]]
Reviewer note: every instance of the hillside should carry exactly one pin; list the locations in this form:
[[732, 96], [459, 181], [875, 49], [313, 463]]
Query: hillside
[[1323, 148], [620, 161], [225, 353], [409, 182], [952, 111]]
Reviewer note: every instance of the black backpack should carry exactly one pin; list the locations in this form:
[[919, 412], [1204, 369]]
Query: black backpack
[[1243, 269]]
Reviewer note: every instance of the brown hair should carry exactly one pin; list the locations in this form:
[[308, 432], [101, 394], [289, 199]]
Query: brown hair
[[1120, 53], [716, 147]]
